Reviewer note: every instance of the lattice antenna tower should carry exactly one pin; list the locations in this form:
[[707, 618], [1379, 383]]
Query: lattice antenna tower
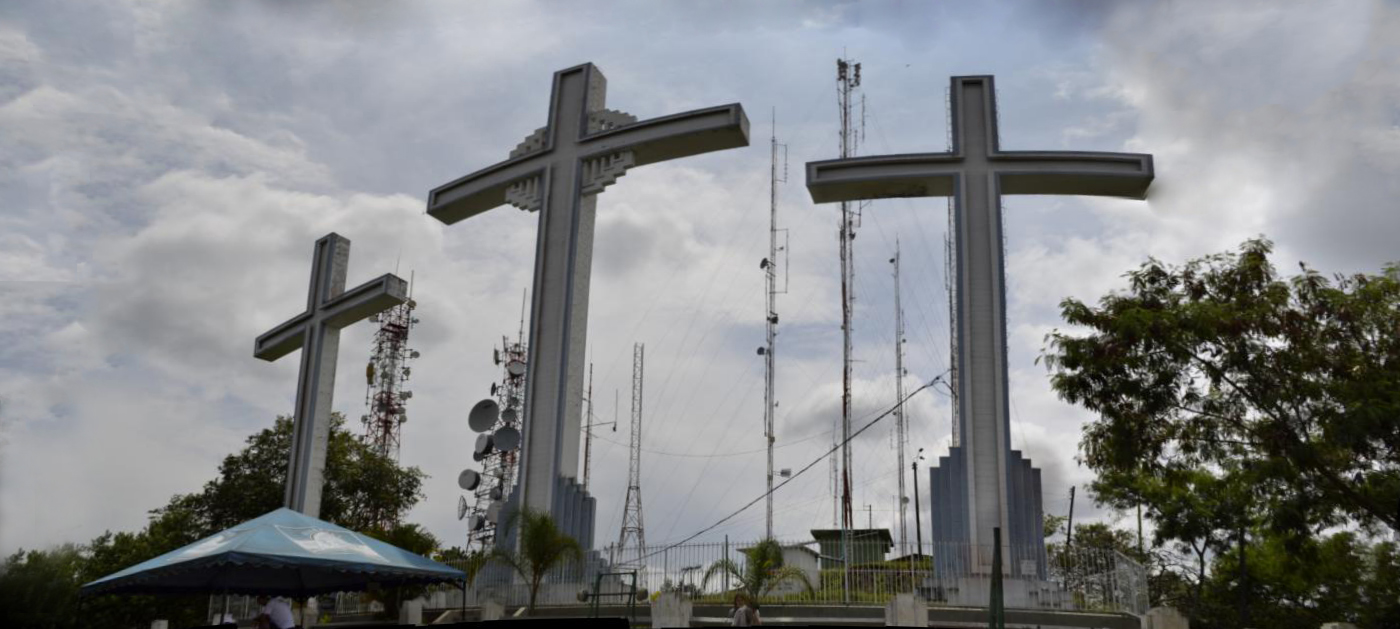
[[499, 465], [386, 378], [769, 266], [847, 82], [900, 423], [631, 540]]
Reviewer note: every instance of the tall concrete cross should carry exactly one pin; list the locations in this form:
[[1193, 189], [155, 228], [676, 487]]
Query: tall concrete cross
[[976, 173], [316, 332], [559, 171]]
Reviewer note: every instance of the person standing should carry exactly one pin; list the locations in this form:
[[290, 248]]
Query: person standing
[[275, 613], [744, 615]]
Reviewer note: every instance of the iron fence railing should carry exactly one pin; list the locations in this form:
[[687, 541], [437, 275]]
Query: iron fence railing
[[1039, 577]]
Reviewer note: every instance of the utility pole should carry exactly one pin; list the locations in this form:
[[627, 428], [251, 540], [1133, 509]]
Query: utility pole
[[1069, 526], [918, 524], [899, 421], [769, 265], [847, 80]]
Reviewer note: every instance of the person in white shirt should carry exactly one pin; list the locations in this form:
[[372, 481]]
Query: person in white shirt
[[277, 613]]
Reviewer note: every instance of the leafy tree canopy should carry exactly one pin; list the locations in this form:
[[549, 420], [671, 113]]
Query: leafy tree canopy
[[1287, 387]]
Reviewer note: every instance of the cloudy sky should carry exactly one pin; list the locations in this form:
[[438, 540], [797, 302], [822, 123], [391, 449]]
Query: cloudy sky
[[166, 166]]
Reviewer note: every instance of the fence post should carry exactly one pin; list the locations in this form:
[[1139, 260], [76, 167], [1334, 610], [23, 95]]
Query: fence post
[[726, 556]]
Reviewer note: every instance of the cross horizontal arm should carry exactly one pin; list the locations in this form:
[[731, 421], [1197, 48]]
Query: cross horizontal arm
[[283, 339], [376, 295], [481, 190], [1074, 172], [882, 177], [675, 136]]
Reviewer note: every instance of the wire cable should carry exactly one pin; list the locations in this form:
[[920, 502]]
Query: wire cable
[[799, 472]]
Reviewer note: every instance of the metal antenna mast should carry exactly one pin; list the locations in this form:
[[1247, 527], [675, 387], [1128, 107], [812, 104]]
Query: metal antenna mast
[[632, 511], [769, 266], [847, 80], [899, 420], [589, 425]]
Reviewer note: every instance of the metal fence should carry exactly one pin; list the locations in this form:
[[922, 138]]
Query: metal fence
[[1050, 577]]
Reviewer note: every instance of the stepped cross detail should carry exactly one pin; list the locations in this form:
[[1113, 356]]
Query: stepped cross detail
[[976, 173], [558, 171], [316, 332]]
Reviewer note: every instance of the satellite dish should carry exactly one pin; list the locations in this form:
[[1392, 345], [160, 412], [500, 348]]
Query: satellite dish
[[496, 492], [468, 480], [493, 512], [414, 354], [515, 368], [484, 444], [477, 456], [762, 351], [785, 472], [493, 388], [508, 415], [507, 439], [496, 355], [475, 523], [483, 416], [461, 507]]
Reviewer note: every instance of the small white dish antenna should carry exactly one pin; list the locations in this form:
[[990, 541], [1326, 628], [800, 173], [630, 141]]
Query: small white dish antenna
[[484, 444], [483, 416], [461, 507], [515, 368], [468, 480], [507, 439], [476, 523]]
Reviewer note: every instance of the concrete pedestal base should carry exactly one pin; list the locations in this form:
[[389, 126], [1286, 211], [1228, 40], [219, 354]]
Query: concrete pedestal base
[[160, 624], [411, 612], [1338, 625], [1165, 618], [906, 610], [492, 610], [670, 609], [1017, 593]]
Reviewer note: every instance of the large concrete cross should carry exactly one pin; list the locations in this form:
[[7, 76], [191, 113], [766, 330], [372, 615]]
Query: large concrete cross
[[976, 173], [559, 171], [316, 332]]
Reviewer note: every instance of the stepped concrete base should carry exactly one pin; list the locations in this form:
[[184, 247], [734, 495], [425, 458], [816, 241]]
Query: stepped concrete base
[[906, 610], [1166, 618], [1016, 593]]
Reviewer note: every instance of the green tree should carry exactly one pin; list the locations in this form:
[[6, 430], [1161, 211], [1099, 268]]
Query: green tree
[[362, 489], [542, 548], [763, 571], [46, 582], [1220, 364]]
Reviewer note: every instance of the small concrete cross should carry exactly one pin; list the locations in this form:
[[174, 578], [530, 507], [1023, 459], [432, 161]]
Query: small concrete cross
[[976, 172], [559, 171], [316, 332]]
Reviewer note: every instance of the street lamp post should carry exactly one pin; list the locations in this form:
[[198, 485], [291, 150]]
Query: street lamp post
[[918, 520]]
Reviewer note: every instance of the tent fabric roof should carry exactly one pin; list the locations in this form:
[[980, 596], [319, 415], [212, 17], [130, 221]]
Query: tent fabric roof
[[281, 552]]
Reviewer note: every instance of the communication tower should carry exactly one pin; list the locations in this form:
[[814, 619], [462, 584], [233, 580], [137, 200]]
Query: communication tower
[[497, 448], [386, 378], [631, 540], [769, 266]]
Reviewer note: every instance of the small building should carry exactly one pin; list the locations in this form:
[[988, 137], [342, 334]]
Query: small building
[[866, 546], [801, 557]]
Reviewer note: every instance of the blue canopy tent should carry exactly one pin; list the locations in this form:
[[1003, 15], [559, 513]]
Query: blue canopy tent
[[280, 553]]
